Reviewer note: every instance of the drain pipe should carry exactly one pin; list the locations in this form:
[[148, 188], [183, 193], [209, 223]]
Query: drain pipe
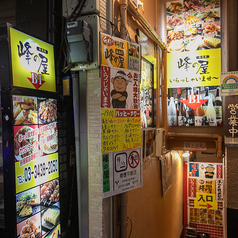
[[123, 196]]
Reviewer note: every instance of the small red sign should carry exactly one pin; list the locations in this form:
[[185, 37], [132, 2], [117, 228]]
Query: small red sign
[[194, 101], [108, 41], [36, 80]]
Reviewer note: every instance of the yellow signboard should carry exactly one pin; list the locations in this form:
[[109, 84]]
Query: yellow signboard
[[194, 69], [205, 200], [120, 129], [114, 52], [32, 62], [36, 172]]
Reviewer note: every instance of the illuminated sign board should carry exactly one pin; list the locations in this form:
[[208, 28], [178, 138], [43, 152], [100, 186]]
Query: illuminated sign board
[[36, 166], [194, 63], [32, 62]]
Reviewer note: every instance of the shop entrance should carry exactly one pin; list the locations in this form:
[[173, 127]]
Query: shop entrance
[[203, 197]]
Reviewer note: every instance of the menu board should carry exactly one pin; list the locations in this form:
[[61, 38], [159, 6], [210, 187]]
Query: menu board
[[36, 166], [120, 129]]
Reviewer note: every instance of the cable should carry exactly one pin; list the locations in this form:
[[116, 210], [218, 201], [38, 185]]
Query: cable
[[79, 6], [128, 218], [112, 24]]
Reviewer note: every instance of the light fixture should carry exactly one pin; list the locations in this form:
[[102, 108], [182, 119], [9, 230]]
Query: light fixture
[[186, 154]]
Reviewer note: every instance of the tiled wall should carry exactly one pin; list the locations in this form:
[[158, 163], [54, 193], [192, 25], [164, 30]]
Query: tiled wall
[[98, 208]]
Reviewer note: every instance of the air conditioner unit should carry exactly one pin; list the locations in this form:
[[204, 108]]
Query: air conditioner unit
[[160, 142]]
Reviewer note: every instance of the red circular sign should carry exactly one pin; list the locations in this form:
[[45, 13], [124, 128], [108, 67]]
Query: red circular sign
[[133, 159]]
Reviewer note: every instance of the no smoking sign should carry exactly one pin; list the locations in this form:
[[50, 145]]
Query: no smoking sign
[[133, 159]]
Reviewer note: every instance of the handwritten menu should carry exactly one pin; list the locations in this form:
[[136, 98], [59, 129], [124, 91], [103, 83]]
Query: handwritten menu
[[120, 129]]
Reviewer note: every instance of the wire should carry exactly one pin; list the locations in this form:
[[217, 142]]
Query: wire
[[79, 6], [128, 218], [112, 24]]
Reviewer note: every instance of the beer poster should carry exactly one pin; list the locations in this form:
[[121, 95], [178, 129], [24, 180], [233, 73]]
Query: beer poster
[[194, 63]]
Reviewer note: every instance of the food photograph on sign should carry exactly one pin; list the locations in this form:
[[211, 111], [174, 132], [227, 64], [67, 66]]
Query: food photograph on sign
[[30, 227], [26, 143], [49, 192], [193, 25], [47, 110], [48, 135], [195, 106], [25, 110], [50, 218], [27, 203]]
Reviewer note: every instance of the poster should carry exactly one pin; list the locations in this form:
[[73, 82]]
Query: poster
[[36, 166], [120, 130], [120, 115], [166, 169], [193, 25], [121, 172], [119, 88], [206, 193], [194, 63], [32, 62], [149, 142]]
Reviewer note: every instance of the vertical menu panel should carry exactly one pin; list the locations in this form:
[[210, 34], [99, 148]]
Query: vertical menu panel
[[36, 166]]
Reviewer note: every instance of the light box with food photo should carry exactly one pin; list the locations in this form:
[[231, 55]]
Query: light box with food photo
[[30, 227], [25, 110], [50, 192], [50, 218], [27, 203], [25, 143], [48, 135], [47, 110]]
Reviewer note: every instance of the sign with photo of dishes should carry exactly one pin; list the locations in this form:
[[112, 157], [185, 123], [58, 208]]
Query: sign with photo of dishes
[[206, 194], [36, 166], [194, 63], [32, 62], [193, 25]]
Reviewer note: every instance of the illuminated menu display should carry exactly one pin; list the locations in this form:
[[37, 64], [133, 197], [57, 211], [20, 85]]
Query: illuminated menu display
[[36, 166]]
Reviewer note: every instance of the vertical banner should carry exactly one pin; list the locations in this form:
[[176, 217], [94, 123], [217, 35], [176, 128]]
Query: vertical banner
[[36, 166], [194, 63], [206, 196], [120, 115]]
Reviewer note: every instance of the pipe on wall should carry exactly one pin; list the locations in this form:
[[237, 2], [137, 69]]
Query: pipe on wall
[[123, 196]]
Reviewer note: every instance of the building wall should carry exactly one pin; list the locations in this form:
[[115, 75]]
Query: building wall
[[152, 215]]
